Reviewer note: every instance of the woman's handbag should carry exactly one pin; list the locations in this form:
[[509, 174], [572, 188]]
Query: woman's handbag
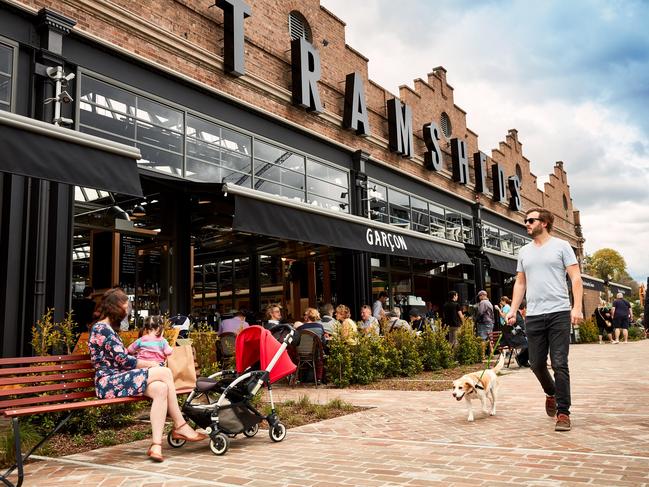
[[181, 364]]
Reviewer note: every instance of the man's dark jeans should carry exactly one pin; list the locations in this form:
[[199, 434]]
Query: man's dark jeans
[[551, 332]]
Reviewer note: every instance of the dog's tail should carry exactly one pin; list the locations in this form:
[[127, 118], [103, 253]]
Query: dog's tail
[[501, 363]]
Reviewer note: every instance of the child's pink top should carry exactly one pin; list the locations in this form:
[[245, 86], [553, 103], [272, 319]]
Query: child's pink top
[[150, 347]]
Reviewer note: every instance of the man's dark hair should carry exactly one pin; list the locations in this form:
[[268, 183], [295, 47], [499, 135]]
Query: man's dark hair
[[451, 295], [544, 215], [87, 291], [383, 294]]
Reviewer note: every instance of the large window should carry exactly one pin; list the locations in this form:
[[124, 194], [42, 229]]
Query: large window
[[502, 240], [6, 76], [156, 129], [389, 205], [175, 141]]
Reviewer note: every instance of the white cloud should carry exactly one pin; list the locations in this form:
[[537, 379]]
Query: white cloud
[[570, 76]]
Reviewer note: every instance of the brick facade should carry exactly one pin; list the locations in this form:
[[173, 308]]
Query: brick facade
[[186, 36]]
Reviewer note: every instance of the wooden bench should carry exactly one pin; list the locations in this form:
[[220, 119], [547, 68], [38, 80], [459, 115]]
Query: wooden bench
[[49, 384]]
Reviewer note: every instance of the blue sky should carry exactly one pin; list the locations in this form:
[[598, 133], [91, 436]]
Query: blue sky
[[571, 76]]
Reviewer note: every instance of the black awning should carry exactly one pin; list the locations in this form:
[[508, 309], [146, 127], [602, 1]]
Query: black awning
[[39, 150], [619, 288], [592, 283], [275, 220], [502, 263]]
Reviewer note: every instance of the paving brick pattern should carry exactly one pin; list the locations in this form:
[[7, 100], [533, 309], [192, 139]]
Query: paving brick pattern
[[418, 439]]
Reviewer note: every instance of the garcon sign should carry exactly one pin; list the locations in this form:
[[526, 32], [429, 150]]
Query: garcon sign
[[387, 240]]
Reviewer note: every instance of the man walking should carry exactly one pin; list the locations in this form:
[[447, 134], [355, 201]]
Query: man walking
[[484, 316], [541, 271]]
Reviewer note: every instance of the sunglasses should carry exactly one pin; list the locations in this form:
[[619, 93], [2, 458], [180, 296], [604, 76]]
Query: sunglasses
[[532, 220]]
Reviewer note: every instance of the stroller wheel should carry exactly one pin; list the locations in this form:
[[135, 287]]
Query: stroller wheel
[[173, 442], [252, 431], [219, 444], [277, 432]]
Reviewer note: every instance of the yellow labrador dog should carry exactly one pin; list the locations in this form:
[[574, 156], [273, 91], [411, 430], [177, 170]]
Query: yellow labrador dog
[[481, 386]]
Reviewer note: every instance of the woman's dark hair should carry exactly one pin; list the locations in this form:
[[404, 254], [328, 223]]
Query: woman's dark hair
[[153, 323], [111, 307]]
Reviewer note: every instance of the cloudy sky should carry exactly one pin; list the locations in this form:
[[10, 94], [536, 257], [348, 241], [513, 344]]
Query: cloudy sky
[[571, 76]]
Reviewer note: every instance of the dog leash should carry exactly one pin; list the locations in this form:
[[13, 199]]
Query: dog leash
[[491, 354]]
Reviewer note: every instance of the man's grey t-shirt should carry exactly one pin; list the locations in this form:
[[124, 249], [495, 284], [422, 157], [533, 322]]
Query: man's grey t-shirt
[[545, 275]]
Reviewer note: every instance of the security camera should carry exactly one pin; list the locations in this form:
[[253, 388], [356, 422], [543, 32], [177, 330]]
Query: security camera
[[69, 77], [65, 97], [53, 72]]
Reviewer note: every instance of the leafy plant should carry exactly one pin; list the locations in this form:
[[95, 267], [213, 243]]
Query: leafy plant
[[470, 348], [406, 344], [588, 332], [435, 350], [45, 334], [339, 361], [204, 342], [51, 337], [636, 333], [29, 437]]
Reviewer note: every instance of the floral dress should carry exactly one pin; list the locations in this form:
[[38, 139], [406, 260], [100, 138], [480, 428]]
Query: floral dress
[[115, 372]]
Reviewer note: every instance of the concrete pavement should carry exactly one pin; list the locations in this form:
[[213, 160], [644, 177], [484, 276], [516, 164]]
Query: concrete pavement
[[418, 439]]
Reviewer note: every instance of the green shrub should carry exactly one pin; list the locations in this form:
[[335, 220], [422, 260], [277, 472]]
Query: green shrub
[[368, 361], [29, 437], [588, 332], [636, 333], [339, 362], [204, 342], [402, 354], [470, 348], [435, 350]]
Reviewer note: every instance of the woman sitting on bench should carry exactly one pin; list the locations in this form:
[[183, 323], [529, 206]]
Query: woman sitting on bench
[[118, 374]]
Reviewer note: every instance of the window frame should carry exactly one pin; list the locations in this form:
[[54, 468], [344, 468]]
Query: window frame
[[186, 112], [15, 47]]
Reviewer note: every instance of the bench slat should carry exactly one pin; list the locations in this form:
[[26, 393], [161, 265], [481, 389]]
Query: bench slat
[[71, 396], [22, 391], [45, 378], [47, 368], [43, 359], [51, 408]]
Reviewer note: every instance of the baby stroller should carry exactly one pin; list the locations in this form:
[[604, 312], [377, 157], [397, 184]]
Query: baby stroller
[[221, 404]]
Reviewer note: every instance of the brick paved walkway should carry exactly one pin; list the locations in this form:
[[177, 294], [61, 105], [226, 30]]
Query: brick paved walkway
[[418, 439]]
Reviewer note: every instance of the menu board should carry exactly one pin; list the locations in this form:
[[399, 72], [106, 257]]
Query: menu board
[[128, 257]]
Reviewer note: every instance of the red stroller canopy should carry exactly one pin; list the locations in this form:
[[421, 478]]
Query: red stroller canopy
[[256, 344]]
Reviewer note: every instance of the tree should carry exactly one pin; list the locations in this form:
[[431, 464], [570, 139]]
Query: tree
[[606, 264]]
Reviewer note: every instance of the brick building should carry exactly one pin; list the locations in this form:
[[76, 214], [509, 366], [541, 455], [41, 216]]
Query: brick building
[[246, 159]]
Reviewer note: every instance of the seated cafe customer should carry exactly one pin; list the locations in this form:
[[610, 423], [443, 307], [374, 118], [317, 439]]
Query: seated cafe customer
[[368, 323], [234, 324]]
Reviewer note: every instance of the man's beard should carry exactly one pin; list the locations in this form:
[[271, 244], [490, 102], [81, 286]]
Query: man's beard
[[536, 231]]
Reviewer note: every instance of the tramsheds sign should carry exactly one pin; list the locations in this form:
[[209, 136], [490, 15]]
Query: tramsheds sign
[[305, 72]]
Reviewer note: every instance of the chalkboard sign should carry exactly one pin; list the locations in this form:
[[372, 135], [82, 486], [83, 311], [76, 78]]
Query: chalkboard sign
[[128, 258]]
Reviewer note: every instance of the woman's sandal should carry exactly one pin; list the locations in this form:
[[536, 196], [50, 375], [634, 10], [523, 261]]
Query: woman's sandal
[[179, 436], [153, 455]]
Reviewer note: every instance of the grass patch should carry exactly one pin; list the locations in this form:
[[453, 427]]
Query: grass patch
[[294, 413]]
